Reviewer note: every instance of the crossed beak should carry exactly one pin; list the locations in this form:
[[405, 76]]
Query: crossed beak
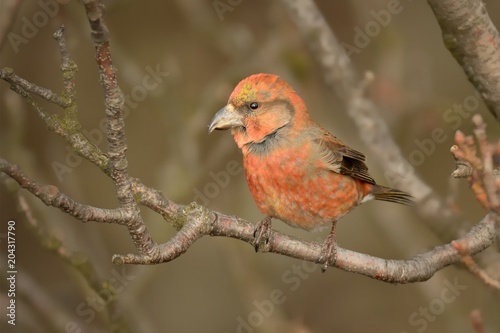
[[226, 118]]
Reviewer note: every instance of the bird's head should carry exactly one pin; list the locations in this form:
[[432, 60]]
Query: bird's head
[[258, 107]]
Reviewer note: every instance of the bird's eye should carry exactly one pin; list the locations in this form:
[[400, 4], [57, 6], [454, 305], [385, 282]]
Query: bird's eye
[[254, 105]]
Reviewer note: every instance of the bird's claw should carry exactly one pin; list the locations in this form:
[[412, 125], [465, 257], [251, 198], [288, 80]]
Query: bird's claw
[[328, 255], [261, 233]]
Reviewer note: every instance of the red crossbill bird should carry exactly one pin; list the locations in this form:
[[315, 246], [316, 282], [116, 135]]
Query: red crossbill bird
[[296, 170]]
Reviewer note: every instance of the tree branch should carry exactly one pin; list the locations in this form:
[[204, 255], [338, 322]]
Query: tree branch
[[114, 104], [8, 75], [51, 196], [201, 221], [196, 221], [474, 41]]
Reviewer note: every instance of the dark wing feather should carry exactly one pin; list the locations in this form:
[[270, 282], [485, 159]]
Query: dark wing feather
[[343, 160]]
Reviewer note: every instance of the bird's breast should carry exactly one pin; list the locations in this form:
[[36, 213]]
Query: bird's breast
[[289, 183]]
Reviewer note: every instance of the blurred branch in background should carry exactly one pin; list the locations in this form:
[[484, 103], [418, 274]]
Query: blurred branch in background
[[477, 321], [104, 292], [194, 221], [8, 16]]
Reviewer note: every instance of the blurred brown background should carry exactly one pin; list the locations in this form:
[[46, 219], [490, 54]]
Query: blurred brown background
[[221, 285]]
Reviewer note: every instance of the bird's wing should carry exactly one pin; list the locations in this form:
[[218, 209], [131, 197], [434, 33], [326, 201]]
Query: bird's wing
[[342, 159]]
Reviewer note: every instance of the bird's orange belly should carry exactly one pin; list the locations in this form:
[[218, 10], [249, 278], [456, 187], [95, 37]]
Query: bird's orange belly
[[298, 193]]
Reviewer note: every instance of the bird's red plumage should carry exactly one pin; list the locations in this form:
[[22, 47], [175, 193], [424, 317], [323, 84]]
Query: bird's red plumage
[[288, 185], [296, 171]]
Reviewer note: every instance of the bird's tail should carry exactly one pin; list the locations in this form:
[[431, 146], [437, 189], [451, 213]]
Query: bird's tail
[[392, 195]]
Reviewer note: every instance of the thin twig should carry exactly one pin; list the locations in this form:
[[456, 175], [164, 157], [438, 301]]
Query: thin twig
[[68, 68], [473, 266], [479, 171], [486, 149], [469, 165], [8, 75]]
